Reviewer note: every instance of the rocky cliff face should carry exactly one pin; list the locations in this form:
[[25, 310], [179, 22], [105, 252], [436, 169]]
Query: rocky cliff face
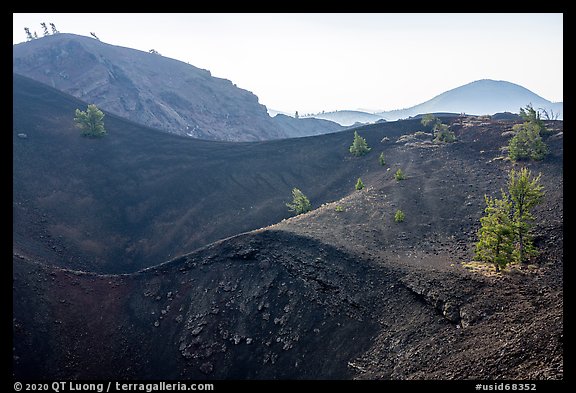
[[150, 89]]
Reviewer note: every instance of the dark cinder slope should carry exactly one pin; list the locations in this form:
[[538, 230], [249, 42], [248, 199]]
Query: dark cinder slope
[[153, 90], [330, 294], [268, 305], [139, 196]]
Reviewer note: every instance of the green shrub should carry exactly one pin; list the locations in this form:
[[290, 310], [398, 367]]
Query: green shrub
[[442, 133], [527, 143], [399, 216], [429, 120], [381, 159], [399, 175]]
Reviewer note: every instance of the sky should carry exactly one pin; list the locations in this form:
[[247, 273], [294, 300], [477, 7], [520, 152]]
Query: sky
[[323, 62]]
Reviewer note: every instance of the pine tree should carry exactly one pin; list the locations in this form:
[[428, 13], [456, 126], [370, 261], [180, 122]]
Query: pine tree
[[525, 192], [429, 120], [527, 143], [399, 175], [359, 184], [29, 36], [54, 29], [91, 121], [531, 115], [496, 235], [300, 203], [399, 216], [381, 159], [504, 234], [45, 29], [359, 146]]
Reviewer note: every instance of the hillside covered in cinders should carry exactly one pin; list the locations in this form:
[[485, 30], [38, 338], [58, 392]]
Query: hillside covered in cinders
[[151, 256]]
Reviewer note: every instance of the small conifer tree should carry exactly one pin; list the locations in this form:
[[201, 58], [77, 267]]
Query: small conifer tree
[[91, 121], [359, 146], [381, 159], [300, 203]]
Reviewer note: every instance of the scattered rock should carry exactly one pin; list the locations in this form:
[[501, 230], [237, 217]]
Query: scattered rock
[[196, 331], [207, 368], [559, 135]]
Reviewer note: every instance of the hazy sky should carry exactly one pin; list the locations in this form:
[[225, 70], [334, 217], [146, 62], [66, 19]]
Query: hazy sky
[[315, 62]]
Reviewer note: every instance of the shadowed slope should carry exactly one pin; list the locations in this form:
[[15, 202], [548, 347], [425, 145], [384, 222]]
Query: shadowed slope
[[139, 196], [328, 294], [262, 305]]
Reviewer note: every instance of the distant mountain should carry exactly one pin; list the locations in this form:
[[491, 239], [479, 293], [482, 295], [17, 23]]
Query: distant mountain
[[153, 90], [347, 117], [306, 126], [482, 97], [274, 112]]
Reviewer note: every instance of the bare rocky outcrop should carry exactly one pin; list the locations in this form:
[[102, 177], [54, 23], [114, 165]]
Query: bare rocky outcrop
[[154, 90]]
